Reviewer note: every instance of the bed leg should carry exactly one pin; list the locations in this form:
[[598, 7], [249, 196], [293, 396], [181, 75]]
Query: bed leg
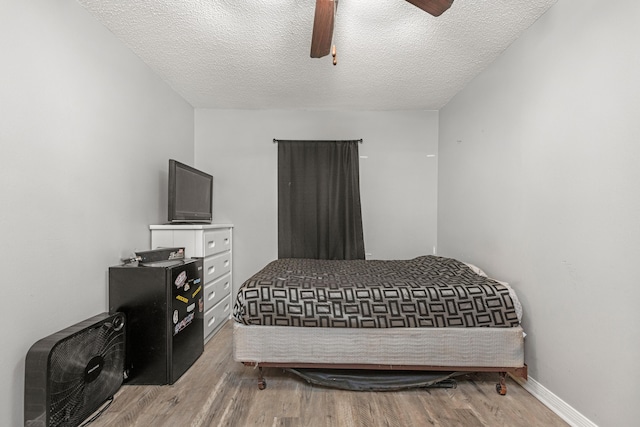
[[501, 387], [262, 383]]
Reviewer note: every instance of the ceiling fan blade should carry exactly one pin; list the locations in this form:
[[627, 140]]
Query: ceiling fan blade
[[434, 7], [323, 28]]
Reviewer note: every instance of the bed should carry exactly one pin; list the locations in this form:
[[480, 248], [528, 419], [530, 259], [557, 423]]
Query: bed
[[428, 313]]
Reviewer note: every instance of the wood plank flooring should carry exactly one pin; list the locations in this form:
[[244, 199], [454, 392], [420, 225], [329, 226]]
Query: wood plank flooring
[[217, 391]]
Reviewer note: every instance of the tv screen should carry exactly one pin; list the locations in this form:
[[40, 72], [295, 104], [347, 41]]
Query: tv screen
[[190, 194]]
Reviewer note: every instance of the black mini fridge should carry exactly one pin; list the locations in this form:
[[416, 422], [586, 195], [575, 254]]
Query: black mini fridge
[[164, 308]]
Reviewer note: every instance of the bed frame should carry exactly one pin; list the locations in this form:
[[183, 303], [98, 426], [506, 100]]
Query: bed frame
[[499, 350]]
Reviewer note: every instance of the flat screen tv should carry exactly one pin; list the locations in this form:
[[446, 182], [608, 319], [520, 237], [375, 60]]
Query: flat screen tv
[[190, 194]]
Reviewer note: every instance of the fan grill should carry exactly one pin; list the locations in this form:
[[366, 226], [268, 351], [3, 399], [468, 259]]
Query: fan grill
[[74, 395]]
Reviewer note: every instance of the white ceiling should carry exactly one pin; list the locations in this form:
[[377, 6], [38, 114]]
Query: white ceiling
[[254, 54]]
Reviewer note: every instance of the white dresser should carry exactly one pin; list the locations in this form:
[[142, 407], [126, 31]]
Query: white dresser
[[213, 243]]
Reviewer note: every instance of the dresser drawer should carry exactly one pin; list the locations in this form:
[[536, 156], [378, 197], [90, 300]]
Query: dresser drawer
[[216, 290], [216, 266], [216, 241], [217, 316]]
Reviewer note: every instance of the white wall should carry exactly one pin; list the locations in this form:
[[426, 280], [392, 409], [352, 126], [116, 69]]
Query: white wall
[[397, 179], [85, 133], [538, 184]]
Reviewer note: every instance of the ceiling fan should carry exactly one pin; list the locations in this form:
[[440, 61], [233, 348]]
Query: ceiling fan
[[325, 16]]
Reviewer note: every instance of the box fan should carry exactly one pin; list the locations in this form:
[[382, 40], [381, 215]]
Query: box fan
[[70, 374]]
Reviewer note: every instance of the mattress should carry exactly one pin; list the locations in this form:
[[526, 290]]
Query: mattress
[[424, 292], [437, 347]]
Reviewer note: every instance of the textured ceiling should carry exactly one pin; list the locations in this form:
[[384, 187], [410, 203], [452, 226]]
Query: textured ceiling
[[254, 54]]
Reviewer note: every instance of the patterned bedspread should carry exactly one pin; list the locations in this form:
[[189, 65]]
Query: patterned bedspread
[[427, 291]]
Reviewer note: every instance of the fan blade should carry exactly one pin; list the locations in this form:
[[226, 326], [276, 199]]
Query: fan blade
[[322, 28], [434, 7]]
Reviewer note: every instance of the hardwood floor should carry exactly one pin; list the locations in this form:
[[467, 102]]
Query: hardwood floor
[[217, 391]]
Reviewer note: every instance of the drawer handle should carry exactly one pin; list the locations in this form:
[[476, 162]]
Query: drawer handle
[[226, 241], [226, 263], [211, 269], [212, 295], [212, 243], [226, 307], [226, 285], [211, 321]]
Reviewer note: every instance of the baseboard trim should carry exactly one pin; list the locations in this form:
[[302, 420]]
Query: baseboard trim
[[553, 402]]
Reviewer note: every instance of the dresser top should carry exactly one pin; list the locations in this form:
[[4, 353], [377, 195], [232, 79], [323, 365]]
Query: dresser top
[[188, 226]]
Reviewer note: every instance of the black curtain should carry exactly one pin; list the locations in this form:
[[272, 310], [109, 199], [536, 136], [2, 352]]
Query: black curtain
[[319, 211]]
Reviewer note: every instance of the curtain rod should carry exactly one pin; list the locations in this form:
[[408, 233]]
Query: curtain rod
[[275, 141]]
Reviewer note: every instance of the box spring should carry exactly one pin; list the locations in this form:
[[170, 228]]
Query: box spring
[[403, 347]]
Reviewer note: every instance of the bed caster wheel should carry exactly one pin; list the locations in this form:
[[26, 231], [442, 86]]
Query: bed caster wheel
[[501, 387], [262, 383]]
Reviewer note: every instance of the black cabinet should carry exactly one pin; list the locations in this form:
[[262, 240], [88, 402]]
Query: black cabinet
[[164, 308]]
